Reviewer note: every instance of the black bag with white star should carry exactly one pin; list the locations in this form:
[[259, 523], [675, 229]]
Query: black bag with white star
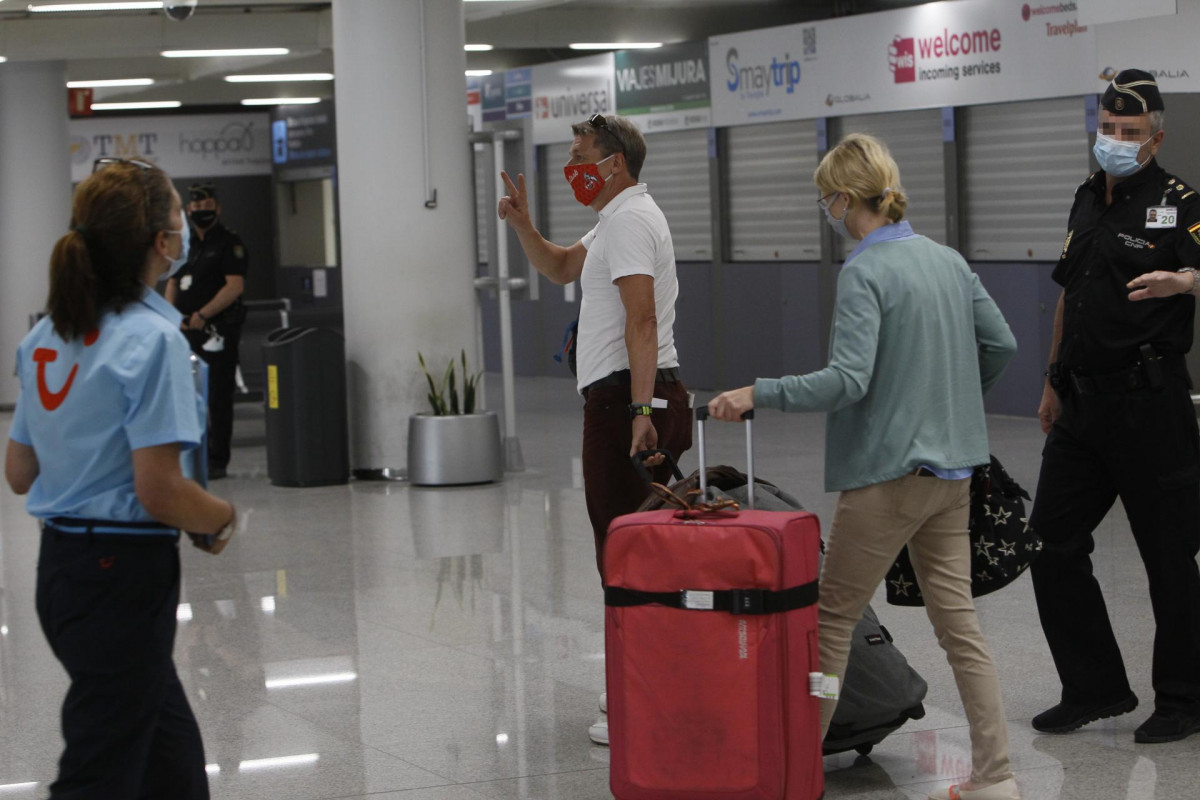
[[1003, 545]]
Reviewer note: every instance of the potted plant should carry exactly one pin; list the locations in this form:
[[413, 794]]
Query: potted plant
[[453, 445]]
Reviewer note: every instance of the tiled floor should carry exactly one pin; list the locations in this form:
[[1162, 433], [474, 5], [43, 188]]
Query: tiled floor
[[377, 640]]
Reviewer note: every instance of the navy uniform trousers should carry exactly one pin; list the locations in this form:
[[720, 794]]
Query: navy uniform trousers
[[1143, 447], [222, 385], [107, 604]]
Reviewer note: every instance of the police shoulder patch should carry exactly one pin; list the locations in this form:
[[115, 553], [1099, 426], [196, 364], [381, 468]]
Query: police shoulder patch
[[1194, 230], [239, 251], [1067, 243]]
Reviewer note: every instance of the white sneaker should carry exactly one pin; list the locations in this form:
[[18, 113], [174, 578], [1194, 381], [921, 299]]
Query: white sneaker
[[604, 703], [598, 732]]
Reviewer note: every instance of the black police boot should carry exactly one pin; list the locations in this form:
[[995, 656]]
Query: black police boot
[[1166, 726], [1065, 717]]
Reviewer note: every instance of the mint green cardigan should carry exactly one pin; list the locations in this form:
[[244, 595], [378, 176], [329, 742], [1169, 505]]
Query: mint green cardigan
[[916, 342]]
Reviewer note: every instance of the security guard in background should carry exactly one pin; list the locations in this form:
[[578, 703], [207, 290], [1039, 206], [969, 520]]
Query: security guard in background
[[208, 292], [1120, 423]]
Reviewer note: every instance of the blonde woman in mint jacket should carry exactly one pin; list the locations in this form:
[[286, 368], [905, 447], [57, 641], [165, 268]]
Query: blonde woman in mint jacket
[[916, 342]]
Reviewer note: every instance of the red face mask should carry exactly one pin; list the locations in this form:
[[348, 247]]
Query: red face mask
[[586, 180]]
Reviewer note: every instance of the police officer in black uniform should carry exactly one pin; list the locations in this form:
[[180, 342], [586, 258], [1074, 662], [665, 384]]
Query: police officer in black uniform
[[1120, 423], [208, 292]]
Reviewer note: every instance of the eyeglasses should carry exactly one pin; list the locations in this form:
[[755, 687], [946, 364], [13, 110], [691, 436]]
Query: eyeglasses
[[600, 124], [101, 163], [825, 202]]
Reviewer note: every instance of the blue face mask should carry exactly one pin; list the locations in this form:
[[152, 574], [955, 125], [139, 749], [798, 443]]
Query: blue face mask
[[177, 263], [1118, 158], [838, 225]]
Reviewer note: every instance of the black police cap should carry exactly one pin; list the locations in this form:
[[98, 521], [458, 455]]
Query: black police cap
[[1132, 93], [202, 191]]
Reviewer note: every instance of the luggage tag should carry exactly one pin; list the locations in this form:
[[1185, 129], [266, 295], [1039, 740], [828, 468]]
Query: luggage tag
[[1161, 217], [823, 686]]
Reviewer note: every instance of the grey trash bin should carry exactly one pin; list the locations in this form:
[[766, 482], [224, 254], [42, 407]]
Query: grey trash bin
[[305, 398]]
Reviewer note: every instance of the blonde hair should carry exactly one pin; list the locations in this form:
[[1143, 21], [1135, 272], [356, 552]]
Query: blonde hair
[[861, 167]]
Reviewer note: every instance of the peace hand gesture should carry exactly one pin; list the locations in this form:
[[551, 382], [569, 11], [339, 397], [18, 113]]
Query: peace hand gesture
[[514, 207]]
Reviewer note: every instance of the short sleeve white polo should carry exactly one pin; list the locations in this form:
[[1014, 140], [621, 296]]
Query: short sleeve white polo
[[632, 238]]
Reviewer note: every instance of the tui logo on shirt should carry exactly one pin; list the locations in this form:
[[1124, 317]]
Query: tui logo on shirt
[[42, 356]]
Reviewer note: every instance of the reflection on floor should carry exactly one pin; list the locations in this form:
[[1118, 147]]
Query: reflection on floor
[[377, 640]]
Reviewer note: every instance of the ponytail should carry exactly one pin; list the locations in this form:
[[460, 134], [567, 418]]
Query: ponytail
[[73, 287], [893, 203]]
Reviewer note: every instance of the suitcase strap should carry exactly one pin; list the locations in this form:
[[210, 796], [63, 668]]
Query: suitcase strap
[[734, 601]]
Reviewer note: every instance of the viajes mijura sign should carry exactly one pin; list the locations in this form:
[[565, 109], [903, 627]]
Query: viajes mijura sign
[[666, 88], [196, 146]]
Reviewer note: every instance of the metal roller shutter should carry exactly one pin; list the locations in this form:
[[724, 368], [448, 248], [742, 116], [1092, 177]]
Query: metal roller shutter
[[915, 139], [773, 214], [484, 204], [1021, 165], [676, 170]]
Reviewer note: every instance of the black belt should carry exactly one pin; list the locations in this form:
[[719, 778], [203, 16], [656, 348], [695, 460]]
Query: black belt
[[622, 377], [734, 601], [1130, 379]]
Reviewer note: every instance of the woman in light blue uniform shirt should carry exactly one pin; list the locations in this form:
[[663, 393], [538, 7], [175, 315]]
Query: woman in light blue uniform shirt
[[107, 403]]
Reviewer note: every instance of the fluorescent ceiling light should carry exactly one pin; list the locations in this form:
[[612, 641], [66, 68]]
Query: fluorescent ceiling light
[[284, 761], [311, 680], [478, 73], [284, 78], [3, 59], [245, 51], [69, 7], [477, 48], [614, 45], [109, 83], [136, 106], [281, 101], [212, 769]]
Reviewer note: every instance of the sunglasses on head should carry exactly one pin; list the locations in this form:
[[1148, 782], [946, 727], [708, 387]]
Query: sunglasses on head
[[101, 163]]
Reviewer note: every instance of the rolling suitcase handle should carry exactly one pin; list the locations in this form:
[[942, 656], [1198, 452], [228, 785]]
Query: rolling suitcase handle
[[748, 417], [638, 464]]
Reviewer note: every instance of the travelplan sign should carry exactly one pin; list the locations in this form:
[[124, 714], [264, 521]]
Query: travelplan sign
[[567, 92], [965, 52], [664, 88], [200, 146]]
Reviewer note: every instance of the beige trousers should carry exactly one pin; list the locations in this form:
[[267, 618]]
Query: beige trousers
[[928, 514]]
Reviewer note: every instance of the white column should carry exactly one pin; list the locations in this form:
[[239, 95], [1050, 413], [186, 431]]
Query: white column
[[408, 261], [35, 197]]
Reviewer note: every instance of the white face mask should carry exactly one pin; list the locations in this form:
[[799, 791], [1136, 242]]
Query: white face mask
[[177, 263]]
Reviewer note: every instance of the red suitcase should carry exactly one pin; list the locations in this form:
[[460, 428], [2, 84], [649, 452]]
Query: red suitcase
[[711, 636]]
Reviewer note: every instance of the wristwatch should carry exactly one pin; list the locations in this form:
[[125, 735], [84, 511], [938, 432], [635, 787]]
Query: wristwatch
[[1195, 278], [639, 410]]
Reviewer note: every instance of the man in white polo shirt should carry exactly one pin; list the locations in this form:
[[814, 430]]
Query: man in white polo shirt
[[628, 370]]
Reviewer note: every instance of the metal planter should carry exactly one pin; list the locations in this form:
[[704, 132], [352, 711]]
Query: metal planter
[[454, 450]]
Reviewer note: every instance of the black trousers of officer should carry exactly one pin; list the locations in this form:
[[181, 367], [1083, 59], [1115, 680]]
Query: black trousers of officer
[[222, 383], [107, 605], [1142, 446]]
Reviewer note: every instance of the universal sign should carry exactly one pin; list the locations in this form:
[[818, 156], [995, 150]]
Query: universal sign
[[196, 146], [567, 92]]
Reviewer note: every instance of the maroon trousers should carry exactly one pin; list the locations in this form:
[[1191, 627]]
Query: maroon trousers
[[610, 483]]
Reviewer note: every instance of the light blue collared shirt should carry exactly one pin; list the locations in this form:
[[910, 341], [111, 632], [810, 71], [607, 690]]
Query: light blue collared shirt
[[884, 233], [87, 404]]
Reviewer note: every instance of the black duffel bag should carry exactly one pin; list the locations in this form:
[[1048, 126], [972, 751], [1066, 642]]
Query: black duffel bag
[[1003, 545]]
